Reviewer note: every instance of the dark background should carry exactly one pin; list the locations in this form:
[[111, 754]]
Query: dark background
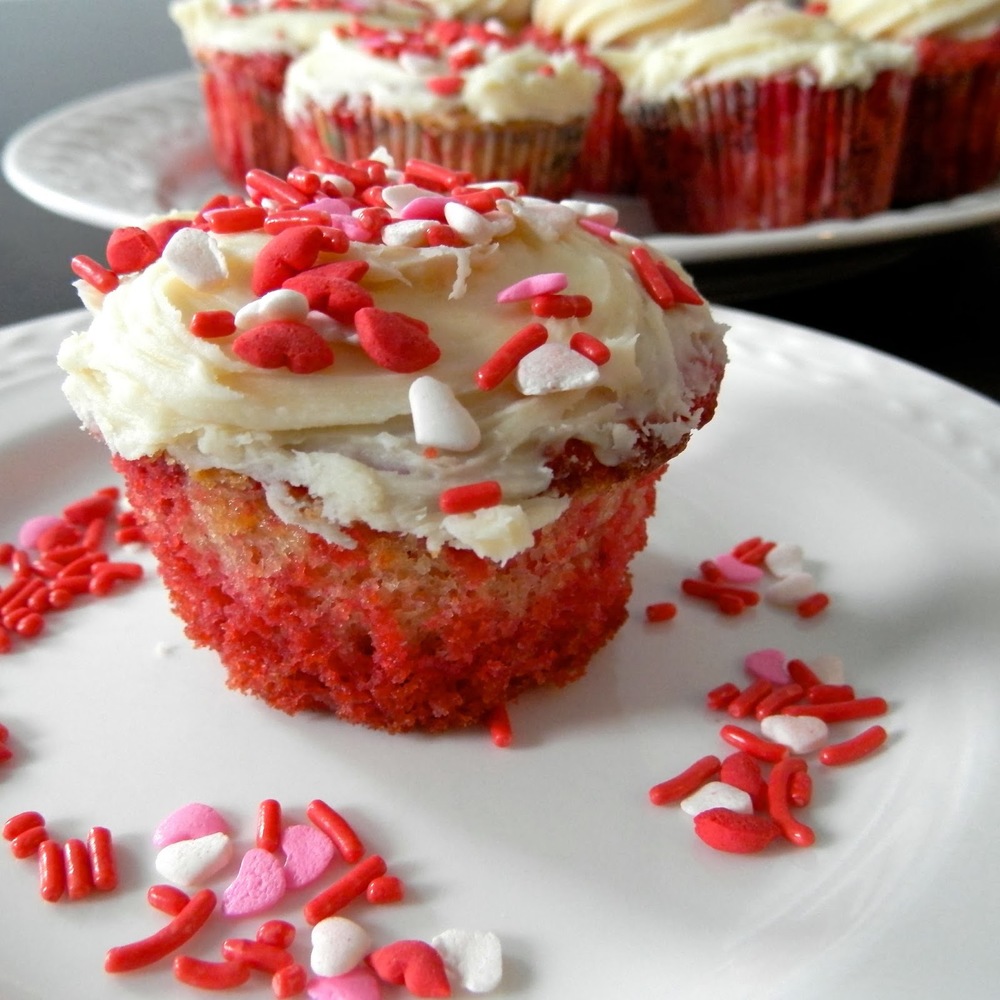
[[930, 300]]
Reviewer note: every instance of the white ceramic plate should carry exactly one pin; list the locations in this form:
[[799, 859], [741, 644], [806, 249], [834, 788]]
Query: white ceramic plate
[[115, 158], [890, 479]]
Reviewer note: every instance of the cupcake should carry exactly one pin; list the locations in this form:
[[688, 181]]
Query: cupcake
[[477, 98], [242, 51], [951, 143], [394, 463], [774, 118], [598, 28]]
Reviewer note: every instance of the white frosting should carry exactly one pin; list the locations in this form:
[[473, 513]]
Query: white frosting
[[345, 433], [913, 19], [210, 26], [602, 23], [258, 26], [509, 84], [764, 39]]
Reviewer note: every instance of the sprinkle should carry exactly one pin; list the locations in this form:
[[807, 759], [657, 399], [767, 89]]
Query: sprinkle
[[779, 805], [802, 734], [338, 945], [474, 958], [413, 964], [51, 871], [194, 256], [472, 497], [538, 284], [686, 783], [268, 837], [751, 743], [284, 343], [93, 273], [651, 277], [473, 227], [561, 306], [553, 367], [853, 749], [347, 888], [395, 341], [590, 347], [308, 853], [439, 419], [259, 884], [212, 323], [735, 833], [282, 303], [663, 611], [235, 220], [288, 253], [206, 975], [130, 249], [509, 354], [498, 724]]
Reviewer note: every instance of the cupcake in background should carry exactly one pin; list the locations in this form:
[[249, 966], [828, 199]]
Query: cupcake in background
[[387, 472], [475, 98], [951, 145], [242, 51], [774, 118], [601, 30]]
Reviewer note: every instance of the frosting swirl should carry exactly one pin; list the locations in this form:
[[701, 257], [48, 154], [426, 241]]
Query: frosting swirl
[[761, 40], [345, 433], [603, 23], [910, 20]]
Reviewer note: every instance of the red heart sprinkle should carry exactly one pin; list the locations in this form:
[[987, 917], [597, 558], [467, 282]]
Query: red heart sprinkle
[[289, 252], [735, 832], [284, 343], [313, 283], [413, 964], [394, 340], [130, 249]]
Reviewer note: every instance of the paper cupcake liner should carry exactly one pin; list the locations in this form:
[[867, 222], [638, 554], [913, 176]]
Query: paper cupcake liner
[[242, 98], [543, 157], [751, 154], [951, 143], [608, 165]]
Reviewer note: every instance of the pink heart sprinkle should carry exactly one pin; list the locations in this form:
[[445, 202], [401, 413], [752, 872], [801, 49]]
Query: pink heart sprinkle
[[537, 284], [27, 536], [358, 984], [307, 851], [737, 571], [190, 822], [259, 884], [768, 664]]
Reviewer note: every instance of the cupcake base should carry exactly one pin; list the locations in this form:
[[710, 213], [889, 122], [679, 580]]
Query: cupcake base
[[385, 634], [242, 98], [543, 157], [951, 144], [752, 155]]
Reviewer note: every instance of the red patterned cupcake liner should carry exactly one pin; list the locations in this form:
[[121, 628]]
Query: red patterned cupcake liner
[[951, 144], [543, 157], [242, 97], [752, 155]]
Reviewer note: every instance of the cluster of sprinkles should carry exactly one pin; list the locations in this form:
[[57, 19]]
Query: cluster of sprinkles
[[195, 843], [58, 559], [310, 301], [749, 799]]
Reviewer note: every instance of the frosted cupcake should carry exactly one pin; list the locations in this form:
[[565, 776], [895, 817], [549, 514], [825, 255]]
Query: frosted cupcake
[[774, 118], [951, 144], [602, 28], [393, 463], [475, 97], [242, 51]]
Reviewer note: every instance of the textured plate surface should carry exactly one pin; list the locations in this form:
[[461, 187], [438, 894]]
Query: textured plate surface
[[120, 156], [890, 479]]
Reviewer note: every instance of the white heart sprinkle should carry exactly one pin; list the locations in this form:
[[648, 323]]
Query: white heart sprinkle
[[282, 303], [406, 233], [474, 958], [784, 559], [555, 368], [194, 862], [468, 223], [800, 733], [791, 589], [194, 256], [717, 794], [439, 419], [338, 945], [607, 215], [828, 668]]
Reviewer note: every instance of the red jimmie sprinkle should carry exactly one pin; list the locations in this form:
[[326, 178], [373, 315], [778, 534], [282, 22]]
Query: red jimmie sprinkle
[[256, 954], [103, 866], [777, 699], [590, 347], [651, 277], [474, 496], [687, 782], [207, 975], [343, 835], [51, 871], [235, 220], [269, 825], [719, 697], [801, 673], [434, 175], [347, 888], [279, 933], [663, 611], [445, 86], [385, 889], [212, 323], [180, 930], [554, 305], [746, 701], [509, 354], [848, 751], [682, 291], [93, 273], [167, 899], [751, 743], [289, 981], [841, 711], [22, 821], [79, 881], [498, 724], [779, 803], [812, 605], [268, 185]]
